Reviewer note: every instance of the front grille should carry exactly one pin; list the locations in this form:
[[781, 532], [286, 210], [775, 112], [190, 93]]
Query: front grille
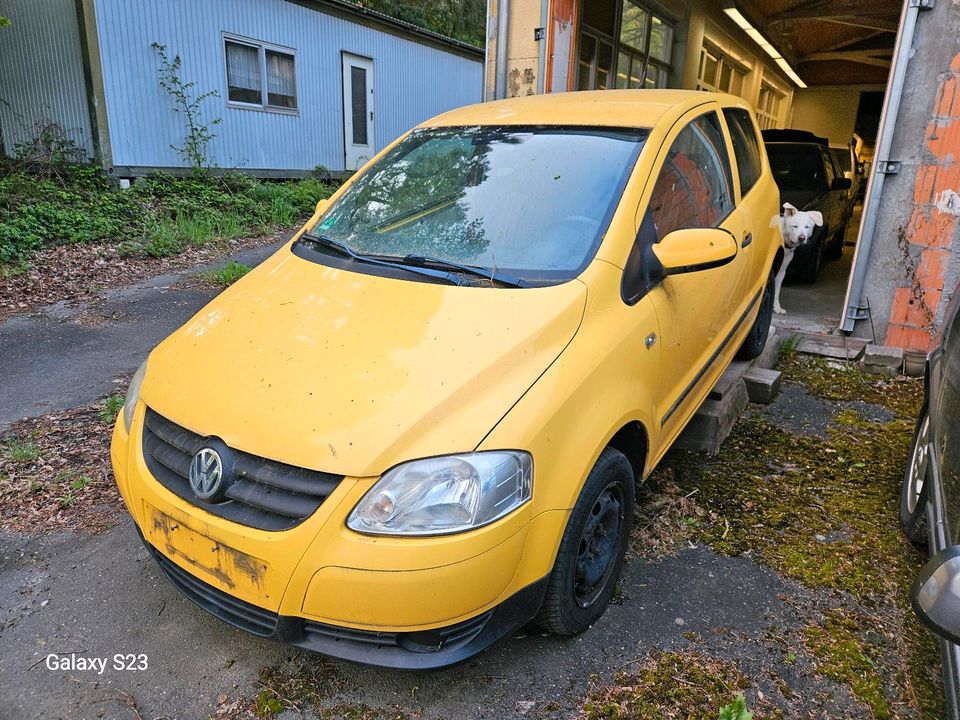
[[235, 611], [260, 493]]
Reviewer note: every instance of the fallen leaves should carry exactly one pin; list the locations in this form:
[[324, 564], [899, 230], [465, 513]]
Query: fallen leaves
[[55, 473], [77, 273]]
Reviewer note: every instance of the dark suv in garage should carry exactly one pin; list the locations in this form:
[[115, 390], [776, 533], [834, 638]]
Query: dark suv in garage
[[809, 179]]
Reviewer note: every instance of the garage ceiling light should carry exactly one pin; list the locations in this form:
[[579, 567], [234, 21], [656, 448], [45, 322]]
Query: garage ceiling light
[[764, 44]]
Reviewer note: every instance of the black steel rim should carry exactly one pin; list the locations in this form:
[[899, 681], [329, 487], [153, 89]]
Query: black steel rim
[[599, 545]]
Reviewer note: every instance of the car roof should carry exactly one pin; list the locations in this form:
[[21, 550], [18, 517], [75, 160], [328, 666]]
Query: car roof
[[600, 108]]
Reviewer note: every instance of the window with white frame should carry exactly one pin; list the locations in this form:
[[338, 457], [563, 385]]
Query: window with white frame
[[718, 73], [769, 104], [260, 75]]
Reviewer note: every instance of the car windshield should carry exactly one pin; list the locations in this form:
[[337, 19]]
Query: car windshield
[[797, 166], [531, 201]]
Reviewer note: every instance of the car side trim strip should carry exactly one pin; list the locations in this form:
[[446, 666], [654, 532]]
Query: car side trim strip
[[716, 353]]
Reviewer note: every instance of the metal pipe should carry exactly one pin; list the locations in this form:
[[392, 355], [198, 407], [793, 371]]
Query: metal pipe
[[503, 13], [484, 91], [852, 307], [542, 50]]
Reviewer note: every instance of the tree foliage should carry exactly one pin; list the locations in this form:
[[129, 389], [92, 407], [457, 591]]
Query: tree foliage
[[460, 19]]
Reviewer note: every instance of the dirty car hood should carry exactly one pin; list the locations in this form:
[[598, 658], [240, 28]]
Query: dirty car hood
[[352, 373]]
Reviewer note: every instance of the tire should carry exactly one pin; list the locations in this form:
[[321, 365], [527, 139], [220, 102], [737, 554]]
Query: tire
[[591, 551], [809, 272], [835, 251], [915, 488], [756, 340]]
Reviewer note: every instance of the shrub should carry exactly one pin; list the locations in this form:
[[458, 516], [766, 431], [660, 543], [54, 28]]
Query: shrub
[[158, 216]]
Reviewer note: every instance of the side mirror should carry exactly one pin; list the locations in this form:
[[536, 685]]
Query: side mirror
[[695, 249], [841, 183], [322, 205], [936, 594]]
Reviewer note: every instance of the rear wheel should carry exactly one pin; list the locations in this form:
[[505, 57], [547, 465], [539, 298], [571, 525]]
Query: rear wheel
[[756, 341], [916, 487], [591, 552]]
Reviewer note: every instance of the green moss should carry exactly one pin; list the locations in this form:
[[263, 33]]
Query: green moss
[[841, 655], [310, 684], [824, 512], [668, 685], [833, 380]]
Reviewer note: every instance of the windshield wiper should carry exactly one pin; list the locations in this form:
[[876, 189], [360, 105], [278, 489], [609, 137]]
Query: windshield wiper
[[489, 274], [347, 251]]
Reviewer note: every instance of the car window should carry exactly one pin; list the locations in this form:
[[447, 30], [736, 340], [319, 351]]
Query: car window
[[828, 166], [693, 187], [841, 157], [796, 166], [746, 147], [531, 201]]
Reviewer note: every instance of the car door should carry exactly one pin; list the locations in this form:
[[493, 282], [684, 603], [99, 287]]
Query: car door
[[833, 215], [748, 158], [697, 312]]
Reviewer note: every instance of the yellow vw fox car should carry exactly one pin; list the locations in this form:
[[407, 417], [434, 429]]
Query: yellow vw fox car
[[419, 424]]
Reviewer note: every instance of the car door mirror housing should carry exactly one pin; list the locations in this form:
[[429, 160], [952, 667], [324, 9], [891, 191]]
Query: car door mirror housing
[[936, 594], [841, 183], [322, 206], [695, 249]]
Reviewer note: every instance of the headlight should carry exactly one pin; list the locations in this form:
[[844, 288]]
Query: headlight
[[444, 495], [133, 394]]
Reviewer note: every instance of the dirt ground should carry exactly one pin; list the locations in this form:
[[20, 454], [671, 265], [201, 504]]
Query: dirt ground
[[774, 569]]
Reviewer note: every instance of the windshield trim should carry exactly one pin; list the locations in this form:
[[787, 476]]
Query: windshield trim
[[531, 279]]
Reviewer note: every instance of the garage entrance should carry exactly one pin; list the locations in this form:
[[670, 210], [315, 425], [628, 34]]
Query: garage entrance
[[843, 51]]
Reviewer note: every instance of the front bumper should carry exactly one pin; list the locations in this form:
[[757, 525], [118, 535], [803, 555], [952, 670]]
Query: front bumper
[[323, 587], [418, 650]]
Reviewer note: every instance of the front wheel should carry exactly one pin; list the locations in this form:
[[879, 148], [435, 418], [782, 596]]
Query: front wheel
[[756, 340], [592, 548], [809, 272], [916, 486]]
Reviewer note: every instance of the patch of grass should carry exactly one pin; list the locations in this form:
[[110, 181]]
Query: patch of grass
[[81, 482], [20, 451], [227, 275], [788, 348], [111, 407], [687, 685]]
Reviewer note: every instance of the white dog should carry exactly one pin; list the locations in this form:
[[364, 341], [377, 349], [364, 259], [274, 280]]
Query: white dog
[[796, 226]]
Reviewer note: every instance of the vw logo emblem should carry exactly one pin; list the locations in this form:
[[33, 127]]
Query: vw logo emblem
[[206, 473]]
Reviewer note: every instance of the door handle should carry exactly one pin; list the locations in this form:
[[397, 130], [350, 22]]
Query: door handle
[[747, 239]]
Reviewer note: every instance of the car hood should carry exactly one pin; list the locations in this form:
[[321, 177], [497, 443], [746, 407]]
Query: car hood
[[352, 373]]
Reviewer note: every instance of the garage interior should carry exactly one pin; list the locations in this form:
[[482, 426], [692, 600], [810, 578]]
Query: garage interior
[[842, 50]]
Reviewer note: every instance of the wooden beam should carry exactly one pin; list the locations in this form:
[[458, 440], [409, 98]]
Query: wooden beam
[[851, 20], [852, 41], [847, 57]]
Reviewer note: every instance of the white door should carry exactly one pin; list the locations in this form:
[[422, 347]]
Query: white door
[[357, 110]]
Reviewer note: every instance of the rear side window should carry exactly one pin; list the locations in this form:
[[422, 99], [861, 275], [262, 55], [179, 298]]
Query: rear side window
[[796, 166], [746, 147], [693, 188], [828, 164]]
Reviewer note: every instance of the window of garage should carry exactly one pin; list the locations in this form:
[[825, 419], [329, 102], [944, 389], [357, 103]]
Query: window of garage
[[623, 45]]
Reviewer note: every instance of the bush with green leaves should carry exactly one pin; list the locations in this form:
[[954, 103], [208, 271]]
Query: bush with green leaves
[[158, 216]]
